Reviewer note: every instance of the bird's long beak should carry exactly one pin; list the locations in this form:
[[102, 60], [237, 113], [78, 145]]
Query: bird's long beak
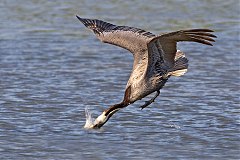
[[103, 118]]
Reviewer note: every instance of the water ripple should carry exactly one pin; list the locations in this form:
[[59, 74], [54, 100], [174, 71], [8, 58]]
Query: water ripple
[[52, 68]]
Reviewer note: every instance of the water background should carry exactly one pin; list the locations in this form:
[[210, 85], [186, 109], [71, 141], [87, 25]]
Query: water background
[[52, 67]]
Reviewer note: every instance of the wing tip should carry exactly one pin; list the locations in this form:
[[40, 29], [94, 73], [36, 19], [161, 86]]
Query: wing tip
[[200, 30], [78, 17], [85, 21], [202, 36], [210, 44]]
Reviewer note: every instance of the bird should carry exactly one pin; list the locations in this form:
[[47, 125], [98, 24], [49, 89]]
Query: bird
[[156, 59]]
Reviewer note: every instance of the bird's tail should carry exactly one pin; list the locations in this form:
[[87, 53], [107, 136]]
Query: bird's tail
[[180, 66]]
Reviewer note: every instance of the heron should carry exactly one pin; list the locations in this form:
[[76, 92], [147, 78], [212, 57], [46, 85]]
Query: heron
[[156, 59]]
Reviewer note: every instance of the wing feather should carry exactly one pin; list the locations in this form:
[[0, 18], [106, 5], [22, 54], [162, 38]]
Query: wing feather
[[130, 38], [141, 42], [169, 41]]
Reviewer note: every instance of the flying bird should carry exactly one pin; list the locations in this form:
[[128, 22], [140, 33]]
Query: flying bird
[[156, 59]]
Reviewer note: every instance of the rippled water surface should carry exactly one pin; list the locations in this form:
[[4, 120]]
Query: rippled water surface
[[51, 68]]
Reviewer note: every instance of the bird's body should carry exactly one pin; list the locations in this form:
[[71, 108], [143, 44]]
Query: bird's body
[[155, 59]]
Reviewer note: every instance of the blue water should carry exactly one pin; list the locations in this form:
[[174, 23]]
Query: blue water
[[52, 68]]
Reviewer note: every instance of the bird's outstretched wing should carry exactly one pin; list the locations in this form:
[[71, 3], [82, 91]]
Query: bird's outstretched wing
[[169, 41], [130, 38]]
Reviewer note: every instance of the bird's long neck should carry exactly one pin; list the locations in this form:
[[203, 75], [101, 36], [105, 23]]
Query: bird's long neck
[[104, 117], [113, 109]]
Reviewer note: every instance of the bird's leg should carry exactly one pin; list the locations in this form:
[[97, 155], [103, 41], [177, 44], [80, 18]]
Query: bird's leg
[[150, 101]]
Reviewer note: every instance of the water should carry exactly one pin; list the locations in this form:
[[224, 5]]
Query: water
[[52, 68], [89, 119]]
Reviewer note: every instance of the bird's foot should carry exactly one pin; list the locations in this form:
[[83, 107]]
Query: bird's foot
[[147, 103], [150, 101]]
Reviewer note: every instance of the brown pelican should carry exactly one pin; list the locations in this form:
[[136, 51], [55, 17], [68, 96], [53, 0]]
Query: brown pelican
[[156, 58]]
